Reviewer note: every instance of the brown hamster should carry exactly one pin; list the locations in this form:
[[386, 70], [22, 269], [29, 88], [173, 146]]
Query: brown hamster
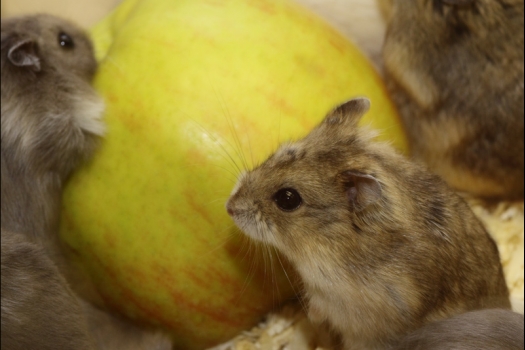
[[31, 281], [381, 245], [51, 117], [455, 70], [476, 330]]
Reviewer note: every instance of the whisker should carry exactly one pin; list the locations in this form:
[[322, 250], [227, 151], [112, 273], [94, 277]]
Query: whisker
[[228, 171], [263, 252], [251, 273], [250, 149], [231, 126], [223, 242], [274, 274], [215, 140], [301, 301], [217, 200]]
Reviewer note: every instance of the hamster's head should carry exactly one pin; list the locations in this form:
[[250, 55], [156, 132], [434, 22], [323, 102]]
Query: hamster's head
[[308, 192], [51, 115], [44, 42]]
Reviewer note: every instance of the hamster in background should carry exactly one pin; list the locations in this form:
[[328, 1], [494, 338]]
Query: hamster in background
[[382, 246], [455, 69]]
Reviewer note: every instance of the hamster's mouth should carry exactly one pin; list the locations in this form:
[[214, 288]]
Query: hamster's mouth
[[251, 226], [247, 227]]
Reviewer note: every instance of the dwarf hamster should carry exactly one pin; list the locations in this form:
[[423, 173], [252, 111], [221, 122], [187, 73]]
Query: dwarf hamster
[[476, 330], [51, 117], [38, 307], [51, 121], [455, 70], [381, 245]]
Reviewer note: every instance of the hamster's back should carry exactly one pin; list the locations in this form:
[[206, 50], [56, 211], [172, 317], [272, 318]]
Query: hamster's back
[[476, 330]]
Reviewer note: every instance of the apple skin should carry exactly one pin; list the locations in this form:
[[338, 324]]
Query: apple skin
[[197, 91]]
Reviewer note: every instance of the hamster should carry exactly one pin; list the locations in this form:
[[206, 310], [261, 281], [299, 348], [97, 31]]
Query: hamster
[[382, 246], [50, 123], [51, 119], [476, 330], [455, 70], [113, 332], [31, 281]]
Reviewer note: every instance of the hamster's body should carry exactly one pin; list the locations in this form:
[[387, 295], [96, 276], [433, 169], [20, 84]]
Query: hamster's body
[[51, 117], [51, 120], [38, 307], [476, 330], [382, 246], [456, 71]]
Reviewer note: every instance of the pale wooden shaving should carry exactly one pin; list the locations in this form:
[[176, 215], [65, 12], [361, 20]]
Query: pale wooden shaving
[[505, 223], [289, 328]]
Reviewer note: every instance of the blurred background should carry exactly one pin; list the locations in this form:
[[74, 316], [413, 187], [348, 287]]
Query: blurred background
[[359, 20], [83, 12]]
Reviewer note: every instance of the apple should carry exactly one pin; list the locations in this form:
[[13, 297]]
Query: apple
[[196, 92]]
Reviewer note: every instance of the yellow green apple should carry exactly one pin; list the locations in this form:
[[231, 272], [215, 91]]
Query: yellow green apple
[[197, 91]]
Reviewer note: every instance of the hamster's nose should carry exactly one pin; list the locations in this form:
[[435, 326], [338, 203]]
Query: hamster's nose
[[229, 209]]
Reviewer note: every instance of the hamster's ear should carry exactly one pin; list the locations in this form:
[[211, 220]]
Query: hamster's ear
[[362, 189], [348, 113], [23, 54]]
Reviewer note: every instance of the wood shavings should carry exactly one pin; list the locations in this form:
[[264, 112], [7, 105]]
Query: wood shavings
[[289, 328], [504, 221]]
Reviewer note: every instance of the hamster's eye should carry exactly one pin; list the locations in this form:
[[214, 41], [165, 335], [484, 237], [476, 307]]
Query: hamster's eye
[[65, 41], [287, 199]]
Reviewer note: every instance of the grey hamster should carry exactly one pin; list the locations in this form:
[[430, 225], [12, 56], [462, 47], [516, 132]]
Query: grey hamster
[[476, 330], [38, 307], [51, 118], [51, 122], [382, 246]]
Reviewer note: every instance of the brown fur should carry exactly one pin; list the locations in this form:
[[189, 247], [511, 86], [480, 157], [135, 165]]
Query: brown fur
[[382, 246], [477, 330], [456, 73], [50, 123]]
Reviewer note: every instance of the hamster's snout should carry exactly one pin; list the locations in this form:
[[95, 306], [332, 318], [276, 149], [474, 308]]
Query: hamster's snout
[[229, 209]]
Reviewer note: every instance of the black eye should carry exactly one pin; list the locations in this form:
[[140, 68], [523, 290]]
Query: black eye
[[287, 199], [65, 41]]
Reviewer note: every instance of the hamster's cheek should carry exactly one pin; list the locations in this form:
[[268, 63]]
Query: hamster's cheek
[[88, 116]]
